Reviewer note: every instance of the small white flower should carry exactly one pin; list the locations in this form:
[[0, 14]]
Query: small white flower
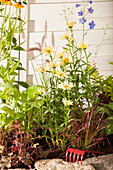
[[66, 85], [61, 74], [42, 69], [53, 64], [66, 56], [67, 102]]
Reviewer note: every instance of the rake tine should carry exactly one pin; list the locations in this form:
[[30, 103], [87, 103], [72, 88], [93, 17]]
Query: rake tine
[[74, 157], [77, 158], [81, 159], [66, 155], [70, 156]]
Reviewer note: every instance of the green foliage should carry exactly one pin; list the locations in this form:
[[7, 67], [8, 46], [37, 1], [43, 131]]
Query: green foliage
[[11, 97], [107, 87], [66, 105], [71, 93]]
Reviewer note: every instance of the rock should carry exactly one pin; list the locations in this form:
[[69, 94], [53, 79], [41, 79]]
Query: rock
[[104, 162], [17, 169], [59, 164], [5, 162]]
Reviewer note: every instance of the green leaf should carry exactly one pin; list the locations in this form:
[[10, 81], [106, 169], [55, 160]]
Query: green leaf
[[24, 2], [110, 106], [14, 41], [23, 84], [109, 129], [37, 122], [12, 80], [9, 111], [13, 68], [111, 63], [36, 103], [20, 68], [19, 48], [16, 18], [32, 91], [14, 74], [1, 9]]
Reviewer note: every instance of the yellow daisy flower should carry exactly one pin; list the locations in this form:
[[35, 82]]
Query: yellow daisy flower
[[59, 55], [67, 102], [66, 36], [70, 25], [66, 85], [66, 56], [42, 69], [71, 39], [83, 45], [53, 64], [61, 74], [48, 50], [41, 91]]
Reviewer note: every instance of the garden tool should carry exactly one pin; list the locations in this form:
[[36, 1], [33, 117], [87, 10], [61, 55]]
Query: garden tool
[[75, 153]]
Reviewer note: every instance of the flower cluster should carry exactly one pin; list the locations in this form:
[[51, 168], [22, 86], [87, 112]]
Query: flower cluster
[[83, 14], [9, 2]]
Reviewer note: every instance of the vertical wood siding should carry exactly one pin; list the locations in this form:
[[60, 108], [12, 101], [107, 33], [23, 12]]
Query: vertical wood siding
[[41, 10]]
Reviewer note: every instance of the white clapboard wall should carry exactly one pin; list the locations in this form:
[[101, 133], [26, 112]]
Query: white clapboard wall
[[40, 11]]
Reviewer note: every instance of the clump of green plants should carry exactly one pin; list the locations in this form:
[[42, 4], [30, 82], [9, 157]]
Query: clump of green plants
[[70, 89], [65, 107]]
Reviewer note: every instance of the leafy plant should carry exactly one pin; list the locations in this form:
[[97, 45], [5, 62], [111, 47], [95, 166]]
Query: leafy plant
[[69, 81], [11, 28]]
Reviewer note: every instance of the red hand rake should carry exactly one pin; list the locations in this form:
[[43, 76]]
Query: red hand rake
[[77, 154]]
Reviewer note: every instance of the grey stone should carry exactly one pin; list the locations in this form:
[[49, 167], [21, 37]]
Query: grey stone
[[104, 162], [59, 164]]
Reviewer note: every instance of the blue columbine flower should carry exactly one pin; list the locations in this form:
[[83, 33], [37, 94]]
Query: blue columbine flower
[[90, 1], [90, 10], [80, 13], [77, 5], [92, 24], [82, 20]]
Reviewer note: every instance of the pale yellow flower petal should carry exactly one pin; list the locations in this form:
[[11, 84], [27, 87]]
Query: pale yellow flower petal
[[66, 85], [83, 45], [67, 102], [71, 24], [48, 50], [42, 69], [53, 64], [59, 55], [64, 37]]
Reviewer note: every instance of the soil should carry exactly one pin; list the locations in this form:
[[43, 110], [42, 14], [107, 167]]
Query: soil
[[106, 147]]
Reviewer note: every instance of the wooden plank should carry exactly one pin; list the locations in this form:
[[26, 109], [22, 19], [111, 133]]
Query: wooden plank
[[62, 1], [91, 37], [41, 10], [60, 25], [53, 11]]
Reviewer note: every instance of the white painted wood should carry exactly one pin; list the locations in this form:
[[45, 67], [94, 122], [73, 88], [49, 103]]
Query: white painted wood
[[53, 11], [59, 25], [62, 1], [50, 10], [91, 37]]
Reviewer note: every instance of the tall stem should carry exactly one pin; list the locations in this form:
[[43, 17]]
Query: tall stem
[[83, 20]]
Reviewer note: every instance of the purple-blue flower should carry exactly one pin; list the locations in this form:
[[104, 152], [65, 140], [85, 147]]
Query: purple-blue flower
[[80, 13], [90, 10], [77, 5], [90, 1], [82, 20], [92, 24]]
